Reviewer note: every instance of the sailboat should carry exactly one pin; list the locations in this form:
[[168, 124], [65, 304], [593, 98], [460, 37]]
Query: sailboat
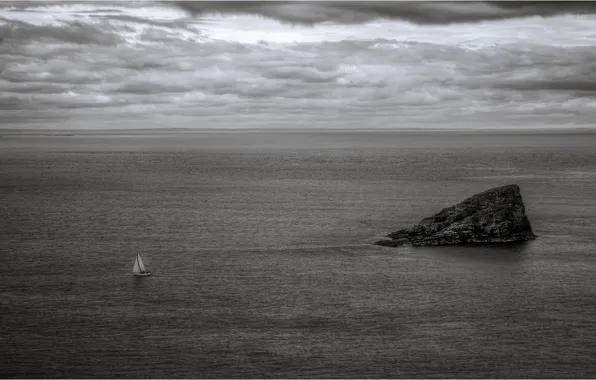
[[139, 268]]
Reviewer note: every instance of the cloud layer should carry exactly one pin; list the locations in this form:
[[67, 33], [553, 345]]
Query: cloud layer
[[136, 65], [419, 12]]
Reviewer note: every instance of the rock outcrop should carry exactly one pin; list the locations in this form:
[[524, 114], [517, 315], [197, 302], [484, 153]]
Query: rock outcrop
[[493, 216]]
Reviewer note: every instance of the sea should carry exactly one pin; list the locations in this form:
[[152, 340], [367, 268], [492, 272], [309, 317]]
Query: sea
[[261, 249]]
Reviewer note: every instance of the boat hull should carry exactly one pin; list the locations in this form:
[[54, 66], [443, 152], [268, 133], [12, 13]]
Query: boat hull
[[142, 274]]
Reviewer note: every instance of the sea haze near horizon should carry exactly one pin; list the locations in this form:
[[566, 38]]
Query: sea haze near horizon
[[261, 249]]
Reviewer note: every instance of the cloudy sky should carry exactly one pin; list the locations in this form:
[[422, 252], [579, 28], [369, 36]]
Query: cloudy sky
[[297, 64]]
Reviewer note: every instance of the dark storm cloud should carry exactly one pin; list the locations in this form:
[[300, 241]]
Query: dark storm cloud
[[433, 12]]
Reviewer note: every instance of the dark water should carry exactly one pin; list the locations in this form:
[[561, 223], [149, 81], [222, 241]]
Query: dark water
[[259, 245]]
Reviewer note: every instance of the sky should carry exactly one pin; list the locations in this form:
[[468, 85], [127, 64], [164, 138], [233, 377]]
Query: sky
[[289, 65]]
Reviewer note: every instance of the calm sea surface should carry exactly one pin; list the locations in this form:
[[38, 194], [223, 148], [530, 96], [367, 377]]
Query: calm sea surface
[[260, 245]]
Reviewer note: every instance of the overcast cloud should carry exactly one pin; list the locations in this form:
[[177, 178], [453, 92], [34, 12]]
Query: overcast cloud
[[297, 65], [420, 12]]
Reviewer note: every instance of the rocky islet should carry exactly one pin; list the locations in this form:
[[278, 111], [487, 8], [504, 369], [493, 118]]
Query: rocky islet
[[491, 217]]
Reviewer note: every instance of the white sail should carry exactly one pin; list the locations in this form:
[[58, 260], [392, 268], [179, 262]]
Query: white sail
[[139, 267], [136, 268]]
